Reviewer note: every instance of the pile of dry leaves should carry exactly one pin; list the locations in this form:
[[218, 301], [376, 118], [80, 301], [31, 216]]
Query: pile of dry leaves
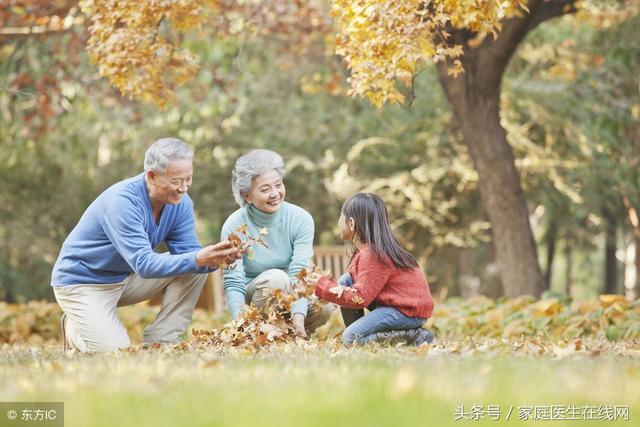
[[259, 327]]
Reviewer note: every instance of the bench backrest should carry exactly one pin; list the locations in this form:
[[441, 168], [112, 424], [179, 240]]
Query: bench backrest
[[332, 258]]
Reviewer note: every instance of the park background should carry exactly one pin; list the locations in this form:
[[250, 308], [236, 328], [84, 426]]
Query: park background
[[569, 104], [557, 219]]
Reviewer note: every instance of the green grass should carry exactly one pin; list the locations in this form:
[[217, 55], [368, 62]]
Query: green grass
[[312, 385]]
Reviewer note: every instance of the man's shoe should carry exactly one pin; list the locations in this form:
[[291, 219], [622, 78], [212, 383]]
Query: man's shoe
[[68, 331], [65, 344]]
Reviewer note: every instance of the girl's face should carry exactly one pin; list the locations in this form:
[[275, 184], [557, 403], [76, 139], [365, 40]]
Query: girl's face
[[267, 192], [347, 227]]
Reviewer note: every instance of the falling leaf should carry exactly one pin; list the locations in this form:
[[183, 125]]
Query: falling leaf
[[235, 240], [243, 229], [271, 331], [262, 242], [337, 290], [356, 298], [302, 274]]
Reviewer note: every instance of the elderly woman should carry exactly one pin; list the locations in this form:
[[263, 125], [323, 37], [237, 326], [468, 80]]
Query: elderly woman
[[258, 187]]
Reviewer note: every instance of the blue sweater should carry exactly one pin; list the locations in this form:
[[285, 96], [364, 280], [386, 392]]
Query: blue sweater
[[116, 236], [290, 239]]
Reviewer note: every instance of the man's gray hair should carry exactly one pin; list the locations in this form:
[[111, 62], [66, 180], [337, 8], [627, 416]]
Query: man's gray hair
[[250, 165], [164, 151]]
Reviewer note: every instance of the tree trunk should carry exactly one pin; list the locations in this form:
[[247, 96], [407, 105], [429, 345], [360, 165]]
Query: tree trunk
[[501, 194], [568, 278], [636, 288], [475, 97], [611, 264], [632, 267], [552, 234], [468, 283]]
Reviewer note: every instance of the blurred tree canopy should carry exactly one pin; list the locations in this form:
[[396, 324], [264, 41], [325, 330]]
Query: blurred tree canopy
[[269, 77]]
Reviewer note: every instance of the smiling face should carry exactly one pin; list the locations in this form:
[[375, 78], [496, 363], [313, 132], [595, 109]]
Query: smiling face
[[170, 186], [267, 192]]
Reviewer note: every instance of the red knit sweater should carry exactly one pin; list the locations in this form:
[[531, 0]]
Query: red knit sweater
[[406, 290]]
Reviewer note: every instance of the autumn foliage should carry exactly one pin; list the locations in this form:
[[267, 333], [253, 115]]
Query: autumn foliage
[[386, 42], [131, 51], [137, 44]]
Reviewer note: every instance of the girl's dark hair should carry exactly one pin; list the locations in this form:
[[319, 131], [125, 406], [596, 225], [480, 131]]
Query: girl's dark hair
[[372, 227]]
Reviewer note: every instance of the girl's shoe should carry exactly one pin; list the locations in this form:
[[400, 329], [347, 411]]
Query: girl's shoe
[[417, 336], [423, 336]]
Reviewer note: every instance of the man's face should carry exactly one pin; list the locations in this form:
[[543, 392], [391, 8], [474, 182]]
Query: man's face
[[172, 185]]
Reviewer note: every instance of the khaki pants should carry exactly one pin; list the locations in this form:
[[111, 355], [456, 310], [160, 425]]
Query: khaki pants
[[91, 310], [259, 292]]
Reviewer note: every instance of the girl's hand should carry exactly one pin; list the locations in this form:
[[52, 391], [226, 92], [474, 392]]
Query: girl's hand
[[313, 278], [345, 280]]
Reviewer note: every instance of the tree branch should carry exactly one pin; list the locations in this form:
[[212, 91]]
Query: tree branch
[[547, 9], [493, 56], [14, 33]]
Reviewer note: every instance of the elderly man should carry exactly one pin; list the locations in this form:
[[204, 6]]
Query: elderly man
[[108, 261]]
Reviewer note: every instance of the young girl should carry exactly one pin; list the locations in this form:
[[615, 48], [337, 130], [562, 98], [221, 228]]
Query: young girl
[[382, 276]]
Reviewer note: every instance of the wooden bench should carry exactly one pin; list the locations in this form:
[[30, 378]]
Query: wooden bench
[[332, 258]]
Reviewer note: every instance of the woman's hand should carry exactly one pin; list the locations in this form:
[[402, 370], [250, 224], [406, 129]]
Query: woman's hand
[[298, 325], [223, 253]]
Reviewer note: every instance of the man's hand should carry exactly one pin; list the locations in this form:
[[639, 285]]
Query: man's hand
[[220, 253], [298, 325]]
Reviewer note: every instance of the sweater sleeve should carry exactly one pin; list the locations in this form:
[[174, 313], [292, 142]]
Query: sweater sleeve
[[123, 224], [235, 287], [371, 277], [301, 258], [182, 237]]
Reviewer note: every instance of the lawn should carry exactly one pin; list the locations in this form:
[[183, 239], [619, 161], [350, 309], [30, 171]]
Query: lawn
[[313, 385]]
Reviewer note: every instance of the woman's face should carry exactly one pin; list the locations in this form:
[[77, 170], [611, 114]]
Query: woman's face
[[267, 192], [346, 226]]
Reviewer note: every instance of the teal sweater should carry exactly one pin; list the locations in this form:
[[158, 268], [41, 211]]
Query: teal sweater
[[290, 240]]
